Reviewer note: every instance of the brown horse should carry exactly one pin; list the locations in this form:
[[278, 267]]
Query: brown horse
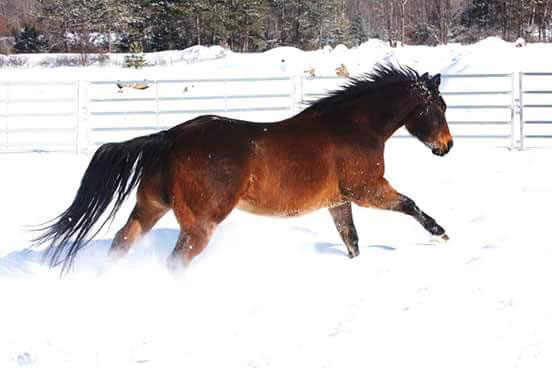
[[330, 155]]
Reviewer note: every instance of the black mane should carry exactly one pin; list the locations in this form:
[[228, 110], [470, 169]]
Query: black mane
[[381, 75]]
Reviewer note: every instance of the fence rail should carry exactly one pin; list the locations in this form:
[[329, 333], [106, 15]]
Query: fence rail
[[72, 115]]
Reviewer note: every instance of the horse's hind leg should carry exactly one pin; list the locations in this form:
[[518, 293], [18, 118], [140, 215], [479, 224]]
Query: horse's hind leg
[[191, 242], [343, 219], [142, 219], [198, 220], [386, 197]]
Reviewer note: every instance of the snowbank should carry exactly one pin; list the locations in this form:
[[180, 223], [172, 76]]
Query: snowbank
[[489, 55]]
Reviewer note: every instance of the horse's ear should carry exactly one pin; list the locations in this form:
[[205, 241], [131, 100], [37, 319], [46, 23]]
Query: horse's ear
[[436, 81], [425, 77]]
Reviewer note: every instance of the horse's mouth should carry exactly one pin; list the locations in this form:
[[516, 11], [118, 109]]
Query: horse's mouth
[[440, 150]]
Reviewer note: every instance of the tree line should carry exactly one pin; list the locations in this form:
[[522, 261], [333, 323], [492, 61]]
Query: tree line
[[256, 25]]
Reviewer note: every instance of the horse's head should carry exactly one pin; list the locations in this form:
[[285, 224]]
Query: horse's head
[[428, 122]]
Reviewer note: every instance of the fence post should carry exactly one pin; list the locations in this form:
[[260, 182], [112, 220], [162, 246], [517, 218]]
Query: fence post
[[293, 91], [7, 141], [521, 117], [85, 111], [301, 92], [157, 104], [296, 93], [77, 116], [512, 112], [225, 87]]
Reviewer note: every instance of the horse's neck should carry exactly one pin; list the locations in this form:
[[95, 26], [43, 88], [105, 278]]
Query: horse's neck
[[391, 113]]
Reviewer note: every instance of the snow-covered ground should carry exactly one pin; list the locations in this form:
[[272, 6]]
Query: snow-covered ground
[[277, 293], [281, 292]]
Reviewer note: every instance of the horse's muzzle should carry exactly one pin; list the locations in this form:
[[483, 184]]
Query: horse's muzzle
[[442, 150]]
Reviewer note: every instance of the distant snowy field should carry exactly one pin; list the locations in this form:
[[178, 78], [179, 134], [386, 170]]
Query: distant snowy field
[[281, 292]]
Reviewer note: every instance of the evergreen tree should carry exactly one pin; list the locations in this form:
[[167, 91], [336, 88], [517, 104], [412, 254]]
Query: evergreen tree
[[358, 30], [29, 40], [136, 58], [198, 14], [322, 18], [165, 26], [342, 25], [244, 23]]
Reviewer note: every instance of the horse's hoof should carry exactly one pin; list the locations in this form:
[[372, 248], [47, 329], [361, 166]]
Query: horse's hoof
[[442, 238], [353, 255]]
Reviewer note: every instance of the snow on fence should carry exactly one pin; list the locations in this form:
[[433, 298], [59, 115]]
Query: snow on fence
[[82, 115]]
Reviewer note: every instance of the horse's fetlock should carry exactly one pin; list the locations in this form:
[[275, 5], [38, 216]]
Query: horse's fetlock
[[437, 230]]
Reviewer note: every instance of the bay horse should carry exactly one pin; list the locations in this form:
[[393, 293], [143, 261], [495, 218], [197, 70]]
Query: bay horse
[[328, 156]]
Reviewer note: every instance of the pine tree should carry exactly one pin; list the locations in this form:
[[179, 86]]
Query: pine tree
[[342, 26], [243, 24], [321, 16], [309, 24], [358, 30], [165, 26], [136, 58], [29, 40]]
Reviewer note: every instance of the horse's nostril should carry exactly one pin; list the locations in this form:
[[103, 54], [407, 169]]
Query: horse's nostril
[[450, 144]]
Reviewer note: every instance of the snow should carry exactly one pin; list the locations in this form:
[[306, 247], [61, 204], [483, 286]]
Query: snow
[[281, 292], [272, 292], [490, 55]]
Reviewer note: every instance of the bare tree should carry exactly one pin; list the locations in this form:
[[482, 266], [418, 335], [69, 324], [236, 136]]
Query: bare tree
[[18, 12]]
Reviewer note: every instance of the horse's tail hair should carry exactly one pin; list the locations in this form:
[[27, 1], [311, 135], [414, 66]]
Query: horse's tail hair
[[114, 171]]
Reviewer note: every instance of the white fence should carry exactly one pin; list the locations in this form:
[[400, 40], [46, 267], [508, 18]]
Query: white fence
[[42, 116], [116, 114], [82, 115], [535, 109]]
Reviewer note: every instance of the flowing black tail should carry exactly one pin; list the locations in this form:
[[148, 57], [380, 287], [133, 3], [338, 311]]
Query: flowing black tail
[[113, 172]]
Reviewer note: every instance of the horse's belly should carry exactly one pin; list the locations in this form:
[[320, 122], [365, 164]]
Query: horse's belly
[[286, 207], [292, 184]]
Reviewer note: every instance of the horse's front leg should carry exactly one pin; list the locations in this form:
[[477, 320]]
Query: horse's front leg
[[343, 219], [384, 196]]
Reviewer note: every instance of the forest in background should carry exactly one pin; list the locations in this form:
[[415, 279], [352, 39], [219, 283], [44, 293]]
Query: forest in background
[[96, 26]]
